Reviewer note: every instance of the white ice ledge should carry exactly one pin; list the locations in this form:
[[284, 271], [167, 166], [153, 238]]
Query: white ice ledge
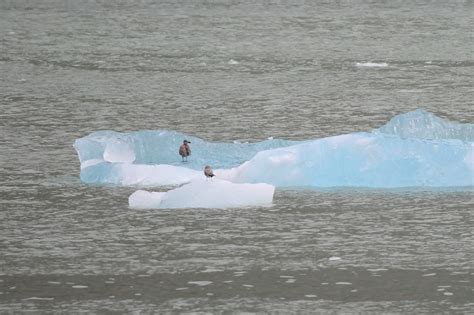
[[201, 193]]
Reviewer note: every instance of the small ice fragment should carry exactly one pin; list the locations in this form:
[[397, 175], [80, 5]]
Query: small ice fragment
[[211, 270], [227, 281], [286, 277], [344, 283], [324, 283], [371, 64], [231, 195], [290, 281], [200, 283], [429, 275], [448, 293], [210, 294], [180, 289], [12, 288], [270, 138], [334, 258], [54, 282], [310, 295], [138, 294], [38, 299], [79, 286], [233, 62], [247, 285]]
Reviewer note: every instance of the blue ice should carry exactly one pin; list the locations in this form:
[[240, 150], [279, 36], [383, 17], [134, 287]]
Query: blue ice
[[413, 149]]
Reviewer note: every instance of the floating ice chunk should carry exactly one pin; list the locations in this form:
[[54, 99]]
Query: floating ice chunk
[[372, 64], [233, 62], [360, 159], [161, 147], [429, 275], [413, 149], [205, 194], [200, 283], [142, 199], [35, 298]]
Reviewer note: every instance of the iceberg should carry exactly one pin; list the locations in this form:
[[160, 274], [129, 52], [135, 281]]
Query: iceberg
[[412, 149], [161, 147], [201, 193], [363, 160]]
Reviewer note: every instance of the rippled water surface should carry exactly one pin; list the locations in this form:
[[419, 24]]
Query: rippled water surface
[[225, 71]]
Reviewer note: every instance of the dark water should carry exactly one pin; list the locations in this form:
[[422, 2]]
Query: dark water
[[228, 70]]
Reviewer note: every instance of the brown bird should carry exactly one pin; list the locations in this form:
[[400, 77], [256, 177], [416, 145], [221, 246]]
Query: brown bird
[[208, 172], [185, 150]]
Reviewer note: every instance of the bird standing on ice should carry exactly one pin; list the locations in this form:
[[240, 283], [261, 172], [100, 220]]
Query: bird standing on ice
[[185, 150], [208, 172]]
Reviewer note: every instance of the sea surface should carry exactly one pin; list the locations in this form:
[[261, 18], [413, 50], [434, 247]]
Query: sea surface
[[225, 71]]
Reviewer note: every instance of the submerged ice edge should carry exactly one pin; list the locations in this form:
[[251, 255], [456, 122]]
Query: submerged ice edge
[[399, 154]]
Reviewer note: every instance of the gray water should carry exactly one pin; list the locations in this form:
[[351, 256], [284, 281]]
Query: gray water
[[225, 71]]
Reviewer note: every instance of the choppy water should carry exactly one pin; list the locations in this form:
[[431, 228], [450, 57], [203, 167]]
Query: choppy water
[[228, 71]]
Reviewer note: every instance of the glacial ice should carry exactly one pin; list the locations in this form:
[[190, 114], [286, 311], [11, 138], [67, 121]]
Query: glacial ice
[[412, 149], [201, 193], [126, 174], [420, 124], [372, 64], [161, 147], [361, 159]]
